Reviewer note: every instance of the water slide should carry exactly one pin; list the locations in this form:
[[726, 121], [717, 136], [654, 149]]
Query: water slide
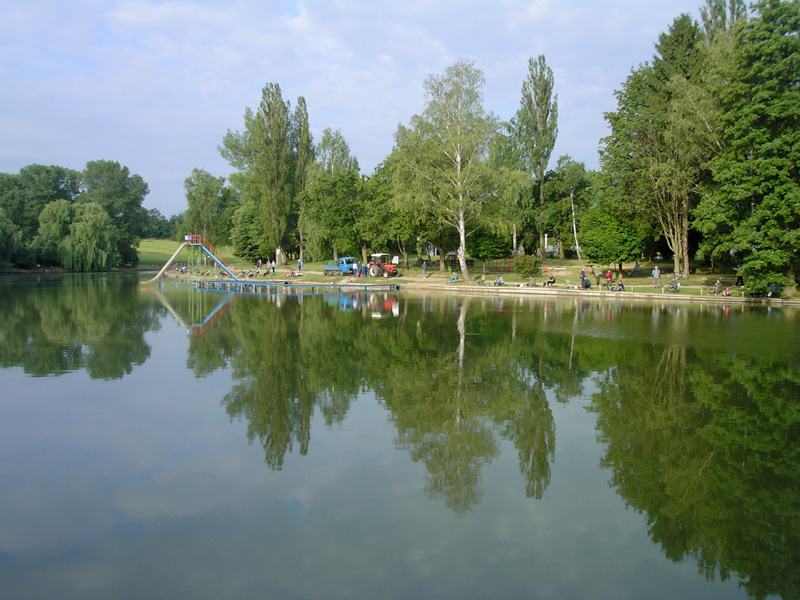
[[166, 266], [196, 240]]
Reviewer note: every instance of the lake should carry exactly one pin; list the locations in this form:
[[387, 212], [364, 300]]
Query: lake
[[198, 444]]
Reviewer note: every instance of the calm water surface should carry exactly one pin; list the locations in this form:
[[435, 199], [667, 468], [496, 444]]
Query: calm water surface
[[188, 444]]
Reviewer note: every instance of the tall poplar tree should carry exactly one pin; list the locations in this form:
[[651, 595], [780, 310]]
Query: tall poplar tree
[[537, 129], [262, 153], [303, 144]]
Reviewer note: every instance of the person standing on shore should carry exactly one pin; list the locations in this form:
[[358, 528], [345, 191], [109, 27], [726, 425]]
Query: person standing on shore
[[656, 276], [739, 278]]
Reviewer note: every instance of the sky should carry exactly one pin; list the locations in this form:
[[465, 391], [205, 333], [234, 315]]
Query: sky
[[155, 85]]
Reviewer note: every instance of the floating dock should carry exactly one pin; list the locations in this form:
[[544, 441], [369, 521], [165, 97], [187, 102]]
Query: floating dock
[[289, 286]]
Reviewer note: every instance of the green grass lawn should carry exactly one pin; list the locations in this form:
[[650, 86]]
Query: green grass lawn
[[156, 252]]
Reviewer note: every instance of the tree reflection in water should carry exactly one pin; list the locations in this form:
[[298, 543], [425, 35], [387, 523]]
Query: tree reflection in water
[[697, 408]]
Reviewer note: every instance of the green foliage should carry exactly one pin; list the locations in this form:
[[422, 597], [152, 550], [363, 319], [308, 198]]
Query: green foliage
[[92, 240], [537, 129], [121, 195], [567, 191], [80, 236], [211, 206], [10, 237], [527, 265], [24, 196], [754, 210], [607, 240], [54, 222], [443, 157], [156, 226], [662, 137], [247, 237], [333, 154], [486, 245], [265, 159], [333, 204]]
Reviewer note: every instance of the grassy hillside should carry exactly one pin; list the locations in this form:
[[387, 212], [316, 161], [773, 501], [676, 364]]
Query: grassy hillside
[[156, 252]]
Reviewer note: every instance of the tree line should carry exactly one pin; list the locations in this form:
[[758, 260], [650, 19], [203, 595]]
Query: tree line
[[86, 220], [700, 164]]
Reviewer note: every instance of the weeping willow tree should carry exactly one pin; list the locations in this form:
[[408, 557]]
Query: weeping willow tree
[[91, 241]]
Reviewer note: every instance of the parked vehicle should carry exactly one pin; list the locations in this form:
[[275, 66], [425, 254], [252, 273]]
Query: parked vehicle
[[382, 265], [343, 267]]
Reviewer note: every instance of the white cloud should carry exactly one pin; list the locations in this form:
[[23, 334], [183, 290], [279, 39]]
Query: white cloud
[[156, 84]]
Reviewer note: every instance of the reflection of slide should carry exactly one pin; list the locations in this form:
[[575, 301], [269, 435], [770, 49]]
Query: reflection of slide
[[198, 328], [166, 266]]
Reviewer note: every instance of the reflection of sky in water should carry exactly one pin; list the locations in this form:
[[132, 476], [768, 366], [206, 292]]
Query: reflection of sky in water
[[143, 487]]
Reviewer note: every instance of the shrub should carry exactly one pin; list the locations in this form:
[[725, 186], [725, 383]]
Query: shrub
[[527, 265]]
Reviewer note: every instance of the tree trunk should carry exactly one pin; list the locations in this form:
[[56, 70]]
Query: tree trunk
[[301, 246], [514, 240], [462, 245], [403, 251], [790, 291], [685, 234], [575, 225]]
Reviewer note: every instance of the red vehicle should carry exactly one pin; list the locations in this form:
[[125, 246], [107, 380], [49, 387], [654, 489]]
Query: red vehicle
[[382, 265]]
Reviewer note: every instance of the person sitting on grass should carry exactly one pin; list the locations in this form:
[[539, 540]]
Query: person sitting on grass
[[499, 281], [454, 278], [551, 281]]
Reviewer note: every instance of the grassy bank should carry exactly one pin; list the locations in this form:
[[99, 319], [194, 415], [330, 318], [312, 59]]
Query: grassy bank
[[154, 253]]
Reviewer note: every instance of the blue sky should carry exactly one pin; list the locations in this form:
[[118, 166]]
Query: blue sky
[[155, 85]]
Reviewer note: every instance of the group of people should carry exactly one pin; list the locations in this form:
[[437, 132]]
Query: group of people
[[718, 288], [611, 283], [359, 269], [266, 264]]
